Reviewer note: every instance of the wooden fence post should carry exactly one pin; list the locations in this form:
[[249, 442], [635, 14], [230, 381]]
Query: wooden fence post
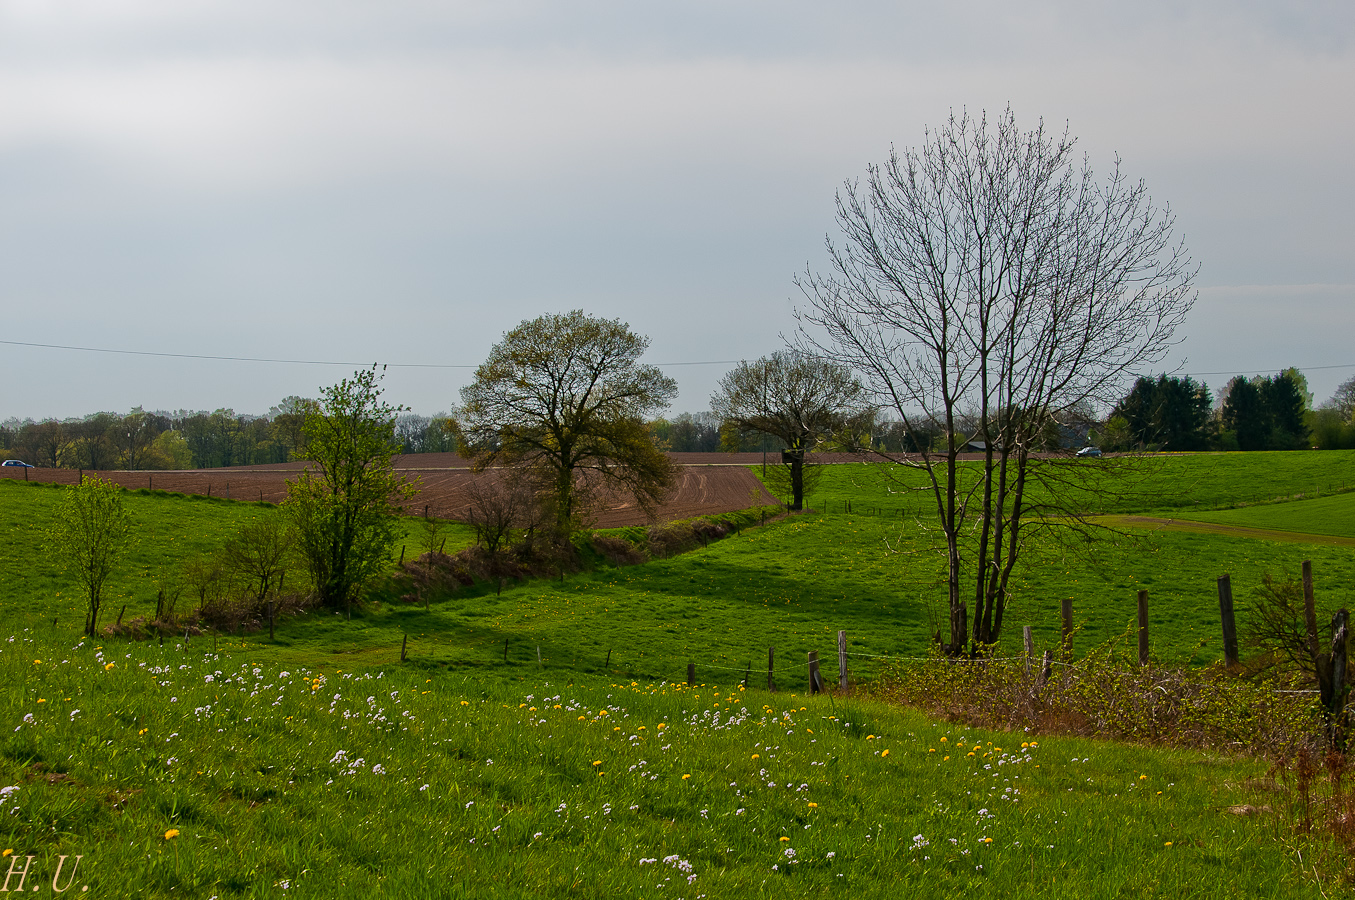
[[1047, 668], [404, 642], [1143, 628], [842, 661], [691, 674], [1334, 693], [1310, 610], [505, 649], [771, 658], [815, 681], [1229, 626], [1067, 646]]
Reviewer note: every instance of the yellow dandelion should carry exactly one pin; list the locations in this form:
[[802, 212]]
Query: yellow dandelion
[[944, 758], [661, 726], [108, 666], [1033, 744], [522, 706], [884, 752], [9, 852], [870, 737], [581, 718], [617, 728], [784, 838], [597, 762], [40, 700], [943, 740], [971, 753], [813, 806], [465, 703], [641, 728], [171, 834], [37, 662], [931, 749], [987, 840], [1143, 778], [685, 777], [1168, 844]]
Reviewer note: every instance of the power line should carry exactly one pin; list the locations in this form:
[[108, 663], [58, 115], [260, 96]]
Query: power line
[[325, 362], [306, 362]]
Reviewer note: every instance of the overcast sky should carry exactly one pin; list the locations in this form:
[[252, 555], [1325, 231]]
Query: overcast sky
[[405, 181]]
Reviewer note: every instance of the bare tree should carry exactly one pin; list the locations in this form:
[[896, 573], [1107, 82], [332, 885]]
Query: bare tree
[[501, 503], [792, 396], [987, 273], [259, 553]]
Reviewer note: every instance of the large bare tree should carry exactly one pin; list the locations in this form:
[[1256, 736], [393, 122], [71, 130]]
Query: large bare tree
[[794, 397], [566, 397], [988, 279]]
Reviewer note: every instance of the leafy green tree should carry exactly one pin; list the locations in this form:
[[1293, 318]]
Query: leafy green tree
[[345, 507], [797, 399], [91, 533], [566, 397]]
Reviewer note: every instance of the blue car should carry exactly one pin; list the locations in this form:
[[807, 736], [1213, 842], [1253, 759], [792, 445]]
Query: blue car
[[15, 462]]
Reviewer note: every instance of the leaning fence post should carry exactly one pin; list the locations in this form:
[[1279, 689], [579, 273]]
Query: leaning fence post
[[771, 658], [1310, 610], [815, 682], [1067, 647], [404, 642], [691, 674], [1229, 626], [1143, 628], [842, 661]]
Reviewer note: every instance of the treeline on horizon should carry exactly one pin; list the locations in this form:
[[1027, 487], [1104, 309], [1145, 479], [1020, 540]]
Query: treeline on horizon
[[1274, 412], [1166, 413]]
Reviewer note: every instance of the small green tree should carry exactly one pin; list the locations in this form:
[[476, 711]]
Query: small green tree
[[91, 533], [344, 507]]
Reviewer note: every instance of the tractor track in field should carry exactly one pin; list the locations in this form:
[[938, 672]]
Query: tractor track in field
[[1261, 534]]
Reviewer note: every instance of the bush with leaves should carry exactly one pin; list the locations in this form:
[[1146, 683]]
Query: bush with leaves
[[91, 533]]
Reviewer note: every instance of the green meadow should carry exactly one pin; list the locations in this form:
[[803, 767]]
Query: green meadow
[[536, 743]]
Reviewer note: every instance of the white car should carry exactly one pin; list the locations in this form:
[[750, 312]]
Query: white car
[[1090, 451]]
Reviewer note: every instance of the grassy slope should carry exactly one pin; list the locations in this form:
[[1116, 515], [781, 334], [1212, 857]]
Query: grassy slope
[[170, 529], [262, 801], [1115, 485], [1324, 515], [287, 782]]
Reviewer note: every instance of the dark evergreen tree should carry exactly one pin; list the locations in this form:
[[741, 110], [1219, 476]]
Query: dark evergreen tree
[[1170, 412]]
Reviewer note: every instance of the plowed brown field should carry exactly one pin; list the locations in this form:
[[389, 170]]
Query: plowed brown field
[[703, 488]]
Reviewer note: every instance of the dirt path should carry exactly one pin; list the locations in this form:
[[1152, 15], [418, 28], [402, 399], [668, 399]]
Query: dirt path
[[1261, 534]]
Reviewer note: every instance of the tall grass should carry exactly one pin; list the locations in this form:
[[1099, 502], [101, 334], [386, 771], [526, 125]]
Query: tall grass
[[174, 772]]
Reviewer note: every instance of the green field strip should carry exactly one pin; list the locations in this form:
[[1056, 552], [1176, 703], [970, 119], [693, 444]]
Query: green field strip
[[1242, 531]]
